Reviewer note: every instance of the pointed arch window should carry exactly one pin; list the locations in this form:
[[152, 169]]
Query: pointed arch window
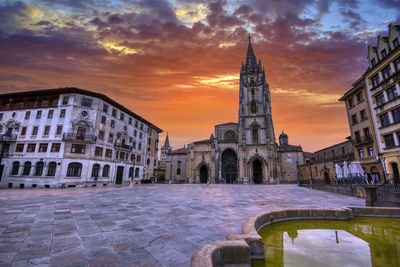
[[255, 135]]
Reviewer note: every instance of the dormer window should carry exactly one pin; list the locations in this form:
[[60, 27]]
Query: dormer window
[[383, 53], [386, 72], [373, 62]]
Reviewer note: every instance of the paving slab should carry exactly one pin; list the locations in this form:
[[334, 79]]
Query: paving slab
[[150, 225]]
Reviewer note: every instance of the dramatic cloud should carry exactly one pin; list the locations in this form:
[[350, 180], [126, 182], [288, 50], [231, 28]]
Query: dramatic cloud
[[177, 63]]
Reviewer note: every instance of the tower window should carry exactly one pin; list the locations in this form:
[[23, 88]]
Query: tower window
[[255, 136]]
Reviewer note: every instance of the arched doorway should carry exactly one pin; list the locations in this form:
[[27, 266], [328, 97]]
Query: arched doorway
[[203, 174], [229, 166], [395, 169], [257, 172], [327, 180]]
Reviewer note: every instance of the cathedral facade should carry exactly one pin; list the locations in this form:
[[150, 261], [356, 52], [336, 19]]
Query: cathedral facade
[[245, 151]]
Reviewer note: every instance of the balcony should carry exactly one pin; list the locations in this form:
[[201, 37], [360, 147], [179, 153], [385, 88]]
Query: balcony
[[123, 146], [74, 137], [362, 140], [8, 137]]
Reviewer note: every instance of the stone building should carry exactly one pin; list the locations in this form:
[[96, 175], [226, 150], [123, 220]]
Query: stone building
[[362, 129], [246, 151], [383, 95], [321, 167], [72, 137]]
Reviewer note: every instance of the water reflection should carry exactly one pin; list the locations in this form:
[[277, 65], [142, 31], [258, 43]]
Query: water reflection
[[357, 242]]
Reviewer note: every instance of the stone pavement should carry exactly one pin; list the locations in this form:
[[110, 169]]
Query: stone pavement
[[150, 225]]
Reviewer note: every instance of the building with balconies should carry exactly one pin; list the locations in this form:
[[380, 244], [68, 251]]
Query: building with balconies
[[383, 91], [71, 137]]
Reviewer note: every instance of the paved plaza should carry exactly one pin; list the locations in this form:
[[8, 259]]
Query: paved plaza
[[150, 225]]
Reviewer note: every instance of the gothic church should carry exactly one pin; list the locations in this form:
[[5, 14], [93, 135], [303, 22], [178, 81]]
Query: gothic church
[[242, 152]]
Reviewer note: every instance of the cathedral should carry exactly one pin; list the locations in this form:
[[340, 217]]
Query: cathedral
[[239, 152]]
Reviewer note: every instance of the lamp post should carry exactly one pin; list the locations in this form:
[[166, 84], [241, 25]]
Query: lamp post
[[131, 183], [4, 139]]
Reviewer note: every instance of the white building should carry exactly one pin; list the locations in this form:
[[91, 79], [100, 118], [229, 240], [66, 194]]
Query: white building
[[72, 137]]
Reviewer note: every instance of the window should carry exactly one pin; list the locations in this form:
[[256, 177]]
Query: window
[[354, 119], [373, 62], [358, 137], [31, 148], [51, 170], [101, 135], [23, 131], [74, 169], [38, 114], [138, 159], [136, 124], [35, 130], [383, 53], [62, 113], [398, 137], [86, 102], [360, 97], [110, 138], [395, 43], [130, 121], [98, 151], [363, 114], [121, 155], [391, 93], [114, 112], [65, 100], [397, 64], [19, 148], [134, 144], [386, 72], [131, 172], [351, 102], [112, 124], [55, 147], [141, 126], [384, 118], [135, 133], [375, 80], [95, 170], [15, 168], [396, 115], [366, 133], [137, 172], [46, 130], [27, 115], [59, 129], [80, 133], [132, 157], [27, 168], [43, 147], [380, 100], [255, 136], [105, 108], [50, 114], [108, 153], [79, 149], [361, 153], [122, 116], [371, 151], [106, 170], [103, 119], [39, 168], [178, 171], [140, 146], [148, 162], [140, 135], [389, 140]]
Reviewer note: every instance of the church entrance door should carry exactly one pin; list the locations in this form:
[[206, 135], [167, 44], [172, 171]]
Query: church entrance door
[[203, 174], [229, 166], [257, 172]]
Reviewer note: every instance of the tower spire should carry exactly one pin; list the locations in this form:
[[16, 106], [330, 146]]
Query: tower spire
[[251, 57], [166, 142]]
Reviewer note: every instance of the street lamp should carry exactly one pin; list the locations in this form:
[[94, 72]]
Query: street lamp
[[4, 139], [131, 183]]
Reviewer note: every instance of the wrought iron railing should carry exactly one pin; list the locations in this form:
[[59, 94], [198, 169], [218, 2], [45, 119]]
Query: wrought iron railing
[[8, 137], [123, 146], [75, 137]]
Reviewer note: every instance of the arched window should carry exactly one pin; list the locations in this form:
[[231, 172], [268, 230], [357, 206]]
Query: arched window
[[39, 168], [178, 171], [148, 162], [255, 135], [51, 171], [106, 170], [27, 168], [74, 169], [95, 170], [131, 172], [15, 168], [137, 172]]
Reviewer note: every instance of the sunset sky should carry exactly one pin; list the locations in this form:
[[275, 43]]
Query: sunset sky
[[176, 63]]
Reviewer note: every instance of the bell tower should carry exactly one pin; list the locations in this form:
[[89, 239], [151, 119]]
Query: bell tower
[[255, 118]]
